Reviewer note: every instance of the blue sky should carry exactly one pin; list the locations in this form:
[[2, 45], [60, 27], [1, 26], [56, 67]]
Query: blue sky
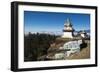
[[52, 21]]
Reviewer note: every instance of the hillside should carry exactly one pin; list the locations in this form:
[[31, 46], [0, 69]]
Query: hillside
[[84, 53]]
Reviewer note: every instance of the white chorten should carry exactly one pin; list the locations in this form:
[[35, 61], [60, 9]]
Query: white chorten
[[68, 30], [83, 34]]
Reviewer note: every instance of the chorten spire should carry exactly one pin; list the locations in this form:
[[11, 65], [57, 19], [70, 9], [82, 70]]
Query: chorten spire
[[68, 23], [68, 26]]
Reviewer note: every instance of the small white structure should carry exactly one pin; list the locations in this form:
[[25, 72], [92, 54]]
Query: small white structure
[[69, 48], [74, 47], [59, 56], [68, 30], [83, 34], [60, 48]]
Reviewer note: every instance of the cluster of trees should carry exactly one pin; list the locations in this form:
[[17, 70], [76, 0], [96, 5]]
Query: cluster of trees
[[36, 45]]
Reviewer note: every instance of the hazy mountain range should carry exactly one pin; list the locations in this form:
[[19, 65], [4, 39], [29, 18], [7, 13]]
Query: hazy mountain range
[[54, 33]]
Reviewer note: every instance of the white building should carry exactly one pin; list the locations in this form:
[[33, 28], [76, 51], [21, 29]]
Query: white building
[[68, 30], [83, 34], [59, 56], [74, 47]]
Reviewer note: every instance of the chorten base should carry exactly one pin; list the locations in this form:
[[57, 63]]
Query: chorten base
[[67, 35]]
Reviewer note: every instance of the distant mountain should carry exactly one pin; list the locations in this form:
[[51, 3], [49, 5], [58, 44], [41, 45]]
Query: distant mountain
[[55, 32], [88, 31], [46, 32]]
